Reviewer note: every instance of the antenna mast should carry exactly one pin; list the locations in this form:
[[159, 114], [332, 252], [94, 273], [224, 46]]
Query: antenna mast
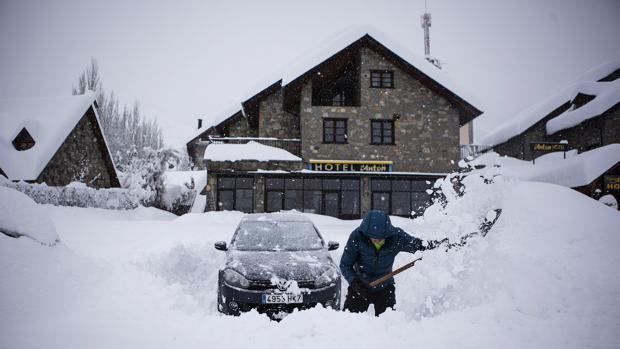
[[426, 24]]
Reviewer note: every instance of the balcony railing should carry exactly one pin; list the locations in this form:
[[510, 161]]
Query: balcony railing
[[472, 151], [293, 146]]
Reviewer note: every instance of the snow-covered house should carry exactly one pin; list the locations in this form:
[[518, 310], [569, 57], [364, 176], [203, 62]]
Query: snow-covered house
[[586, 114], [361, 124], [54, 140]]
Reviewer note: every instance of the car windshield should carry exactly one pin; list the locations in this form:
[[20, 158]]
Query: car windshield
[[276, 236]]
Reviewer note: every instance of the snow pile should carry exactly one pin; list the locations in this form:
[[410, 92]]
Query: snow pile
[[20, 216], [586, 84], [48, 120], [574, 171], [248, 151], [76, 195], [181, 191], [543, 277]]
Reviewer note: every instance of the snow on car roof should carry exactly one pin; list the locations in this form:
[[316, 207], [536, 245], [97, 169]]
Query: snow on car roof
[[586, 83], [48, 120], [276, 217], [248, 151]]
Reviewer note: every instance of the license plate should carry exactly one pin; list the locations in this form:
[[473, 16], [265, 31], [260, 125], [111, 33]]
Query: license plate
[[282, 298]]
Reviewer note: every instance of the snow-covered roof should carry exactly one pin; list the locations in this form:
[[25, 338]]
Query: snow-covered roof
[[586, 84], [607, 95], [48, 120], [575, 171], [328, 48], [249, 151]]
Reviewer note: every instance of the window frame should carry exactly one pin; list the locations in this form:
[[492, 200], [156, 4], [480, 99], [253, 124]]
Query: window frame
[[382, 122], [234, 189], [383, 73], [334, 128]]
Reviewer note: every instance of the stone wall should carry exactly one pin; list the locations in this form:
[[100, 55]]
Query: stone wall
[[274, 121], [81, 158], [426, 134]]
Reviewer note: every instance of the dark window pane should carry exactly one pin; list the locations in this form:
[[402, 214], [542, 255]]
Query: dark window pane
[[350, 202], [331, 184], [400, 185], [376, 140], [274, 201], [340, 139], [350, 184], [330, 204], [294, 183], [328, 138], [245, 183], [328, 123], [419, 185], [312, 183], [293, 200], [275, 183], [400, 203], [225, 200], [387, 140], [380, 185], [226, 182], [312, 201], [381, 202], [341, 124], [243, 200]]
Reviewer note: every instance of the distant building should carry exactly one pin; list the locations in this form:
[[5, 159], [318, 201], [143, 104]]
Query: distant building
[[364, 126], [56, 141], [586, 114]]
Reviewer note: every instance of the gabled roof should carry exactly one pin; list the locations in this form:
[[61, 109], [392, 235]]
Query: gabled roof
[[48, 120], [557, 106], [342, 45], [230, 118]]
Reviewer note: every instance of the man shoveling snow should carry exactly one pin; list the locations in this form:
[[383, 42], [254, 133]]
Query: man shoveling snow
[[369, 255]]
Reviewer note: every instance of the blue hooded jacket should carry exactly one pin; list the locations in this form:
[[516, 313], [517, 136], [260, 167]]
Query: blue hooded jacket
[[362, 260]]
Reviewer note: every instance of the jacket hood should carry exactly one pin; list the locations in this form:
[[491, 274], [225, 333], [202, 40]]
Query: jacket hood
[[377, 225]]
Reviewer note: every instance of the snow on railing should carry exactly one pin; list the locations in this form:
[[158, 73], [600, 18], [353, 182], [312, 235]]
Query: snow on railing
[[472, 151]]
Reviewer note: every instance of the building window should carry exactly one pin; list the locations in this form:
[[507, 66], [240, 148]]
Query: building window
[[400, 197], [339, 99], [334, 130], [382, 131], [382, 78], [235, 194], [328, 196]]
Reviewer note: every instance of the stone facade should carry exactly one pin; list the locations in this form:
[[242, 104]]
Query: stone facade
[[593, 133], [274, 121], [82, 157], [426, 131]]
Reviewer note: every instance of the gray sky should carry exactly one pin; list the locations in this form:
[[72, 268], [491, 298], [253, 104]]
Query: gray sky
[[190, 59]]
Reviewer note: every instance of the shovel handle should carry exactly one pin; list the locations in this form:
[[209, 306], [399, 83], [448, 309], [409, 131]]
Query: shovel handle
[[386, 277]]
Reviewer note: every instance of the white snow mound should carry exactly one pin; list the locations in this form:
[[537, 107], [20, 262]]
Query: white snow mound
[[21, 216]]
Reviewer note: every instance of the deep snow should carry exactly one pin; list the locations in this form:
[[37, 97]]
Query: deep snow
[[545, 276]]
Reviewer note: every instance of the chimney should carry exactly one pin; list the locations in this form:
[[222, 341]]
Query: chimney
[[199, 124]]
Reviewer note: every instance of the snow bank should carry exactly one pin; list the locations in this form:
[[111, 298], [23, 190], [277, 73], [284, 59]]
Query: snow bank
[[20, 216], [248, 151], [543, 277]]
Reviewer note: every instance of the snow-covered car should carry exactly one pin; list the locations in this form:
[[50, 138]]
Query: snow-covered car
[[277, 262]]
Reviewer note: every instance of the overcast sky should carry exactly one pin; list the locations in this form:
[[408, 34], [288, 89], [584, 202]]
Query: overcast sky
[[188, 59]]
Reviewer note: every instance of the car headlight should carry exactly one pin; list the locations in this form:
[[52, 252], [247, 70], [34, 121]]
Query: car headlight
[[233, 278], [329, 277]]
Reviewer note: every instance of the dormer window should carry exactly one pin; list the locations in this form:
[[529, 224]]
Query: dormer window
[[382, 78], [23, 141]]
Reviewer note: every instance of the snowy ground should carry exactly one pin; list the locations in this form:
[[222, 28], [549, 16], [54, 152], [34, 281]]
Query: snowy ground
[[545, 276]]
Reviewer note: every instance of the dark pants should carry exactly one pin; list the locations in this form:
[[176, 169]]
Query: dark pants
[[358, 302]]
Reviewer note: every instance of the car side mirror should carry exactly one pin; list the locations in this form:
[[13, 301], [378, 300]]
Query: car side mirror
[[221, 245], [332, 245]]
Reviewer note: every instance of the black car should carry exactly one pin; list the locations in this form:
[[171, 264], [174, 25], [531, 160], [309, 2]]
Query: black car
[[277, 262]]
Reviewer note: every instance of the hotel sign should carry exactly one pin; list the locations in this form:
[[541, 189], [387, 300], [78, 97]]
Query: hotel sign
[[612, 183], [350, 166], [548, 147]]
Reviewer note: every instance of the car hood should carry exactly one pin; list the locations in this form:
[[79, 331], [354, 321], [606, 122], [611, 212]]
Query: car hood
[[288, 265]]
